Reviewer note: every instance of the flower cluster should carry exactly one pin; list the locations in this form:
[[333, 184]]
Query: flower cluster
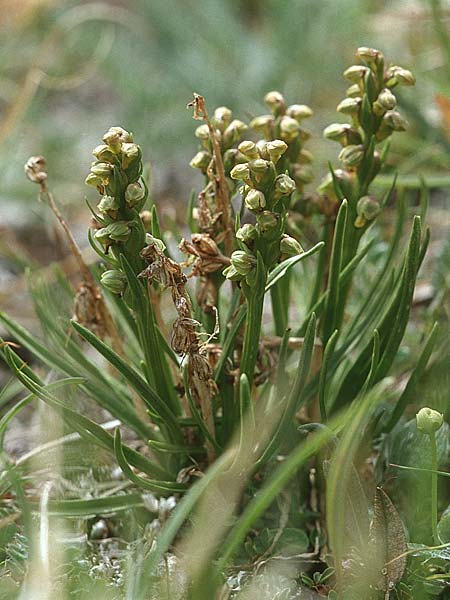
[[265, 194], [228, 132], [116, 173], [371, 105], [285, 123]]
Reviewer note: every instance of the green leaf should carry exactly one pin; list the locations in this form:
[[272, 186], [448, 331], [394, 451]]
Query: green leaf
[[414, 379], [295, 397], [84, 426], [148, 484], [328, 353], [150, 397], [332, 302]]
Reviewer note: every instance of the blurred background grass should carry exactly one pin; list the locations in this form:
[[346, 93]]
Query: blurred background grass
[[70, 69]]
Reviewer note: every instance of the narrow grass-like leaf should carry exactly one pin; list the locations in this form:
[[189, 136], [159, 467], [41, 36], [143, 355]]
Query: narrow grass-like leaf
[[148, 484], [281, 269], [84, 426], [150, 397], [332, 302], [414, 379], [329, 349], [267, 495], [91, 507], [255, 302], [96, 385], [157, 370], [14, 410], [294, 399]]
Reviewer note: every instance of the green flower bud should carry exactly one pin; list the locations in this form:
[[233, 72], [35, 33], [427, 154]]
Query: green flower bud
[[326, 186], [284, 185], [242, 262], [108, 204], [349, 106], [255, 200], [353, 91], [232, 157], [233, 132], [222, 117], [385, 101], [355, 73], [150, 240], [368, 208], [130, 154], [134, 194], [275, 150], [115, 136], [262, 124], [289, 128], [101, 169], [429, 420], [103, 153], [336, 131], [299, 111], [249, 149], [202, 132], [290, 246], [398, 76], [259, 166], [201, 160], [351, 156], [119, 231], [240, 172], [232, 274], [370, 55], [246, 233], [114, 281], [93, 180], [102, 236], [267, 220], [276, 103], [394, 120]]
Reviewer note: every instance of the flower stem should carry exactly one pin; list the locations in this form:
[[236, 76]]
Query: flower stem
[[434, 489]]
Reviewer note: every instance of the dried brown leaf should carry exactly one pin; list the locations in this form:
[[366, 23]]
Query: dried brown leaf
[[388, 541]]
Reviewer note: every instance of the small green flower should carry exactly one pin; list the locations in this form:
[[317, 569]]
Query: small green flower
[[242, 261], [249, 150], [134, 194], [247, 233], [290, 246], [201, 160], [349, 106], [255, 200], [240, 172], [275, 150], [284, 185], [101, 169], [275, 102], [103, 153], [351, 156], [267, 220], [299, 111], [355, 73], [108, 205], [114, 281]]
